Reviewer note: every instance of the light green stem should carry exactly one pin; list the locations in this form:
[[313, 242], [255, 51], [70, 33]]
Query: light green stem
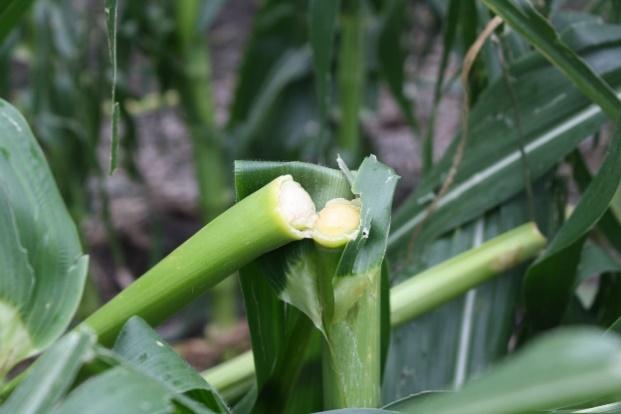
[[456, 276], [421, 293], [242, 233], [352, 353]]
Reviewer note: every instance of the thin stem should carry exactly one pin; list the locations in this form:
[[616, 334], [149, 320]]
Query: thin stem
[[421, 293], [451, 278]]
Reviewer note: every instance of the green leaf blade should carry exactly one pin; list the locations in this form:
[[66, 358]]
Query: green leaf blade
[[45, 282]]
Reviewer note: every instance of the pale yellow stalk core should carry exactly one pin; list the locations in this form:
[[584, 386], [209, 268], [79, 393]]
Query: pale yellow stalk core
[[337, 223]]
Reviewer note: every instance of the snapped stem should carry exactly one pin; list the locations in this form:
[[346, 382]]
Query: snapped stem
[[265, 220]]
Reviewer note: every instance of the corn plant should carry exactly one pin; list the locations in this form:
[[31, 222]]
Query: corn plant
[[455, 301]]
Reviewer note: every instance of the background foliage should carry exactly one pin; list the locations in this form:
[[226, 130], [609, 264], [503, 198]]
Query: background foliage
[[141, 109]]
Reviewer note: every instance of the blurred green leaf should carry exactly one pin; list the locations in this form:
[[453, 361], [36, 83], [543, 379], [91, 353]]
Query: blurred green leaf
[[525, 19], [554, 117], [11, 12], [43, 270], [51, 376], [562, 368]]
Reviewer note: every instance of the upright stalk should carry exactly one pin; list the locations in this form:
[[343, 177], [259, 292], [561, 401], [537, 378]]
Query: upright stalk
[[277, 214], [419, 294], [351, 77], [352, 323], [352, 354], [197, 99]]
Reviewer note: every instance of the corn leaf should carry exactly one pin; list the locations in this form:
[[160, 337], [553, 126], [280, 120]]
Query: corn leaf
[[140, 346], [141, 374], [43, 269], [555, 117], [51, 376], [562, 368]]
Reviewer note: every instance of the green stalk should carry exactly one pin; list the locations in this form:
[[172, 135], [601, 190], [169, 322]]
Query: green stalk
[[261, 222], [352, 353], [351, 75], [421, 293], [196, 94], [197, 99]]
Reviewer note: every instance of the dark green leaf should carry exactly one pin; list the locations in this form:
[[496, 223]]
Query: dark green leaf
[[550, 280], [525, 19], [10, 13]]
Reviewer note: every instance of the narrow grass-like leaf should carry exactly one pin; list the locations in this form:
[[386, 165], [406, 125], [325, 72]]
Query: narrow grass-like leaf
[[549, 281], [112, 18], [43, 270], [525, 19], [560, 369]]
